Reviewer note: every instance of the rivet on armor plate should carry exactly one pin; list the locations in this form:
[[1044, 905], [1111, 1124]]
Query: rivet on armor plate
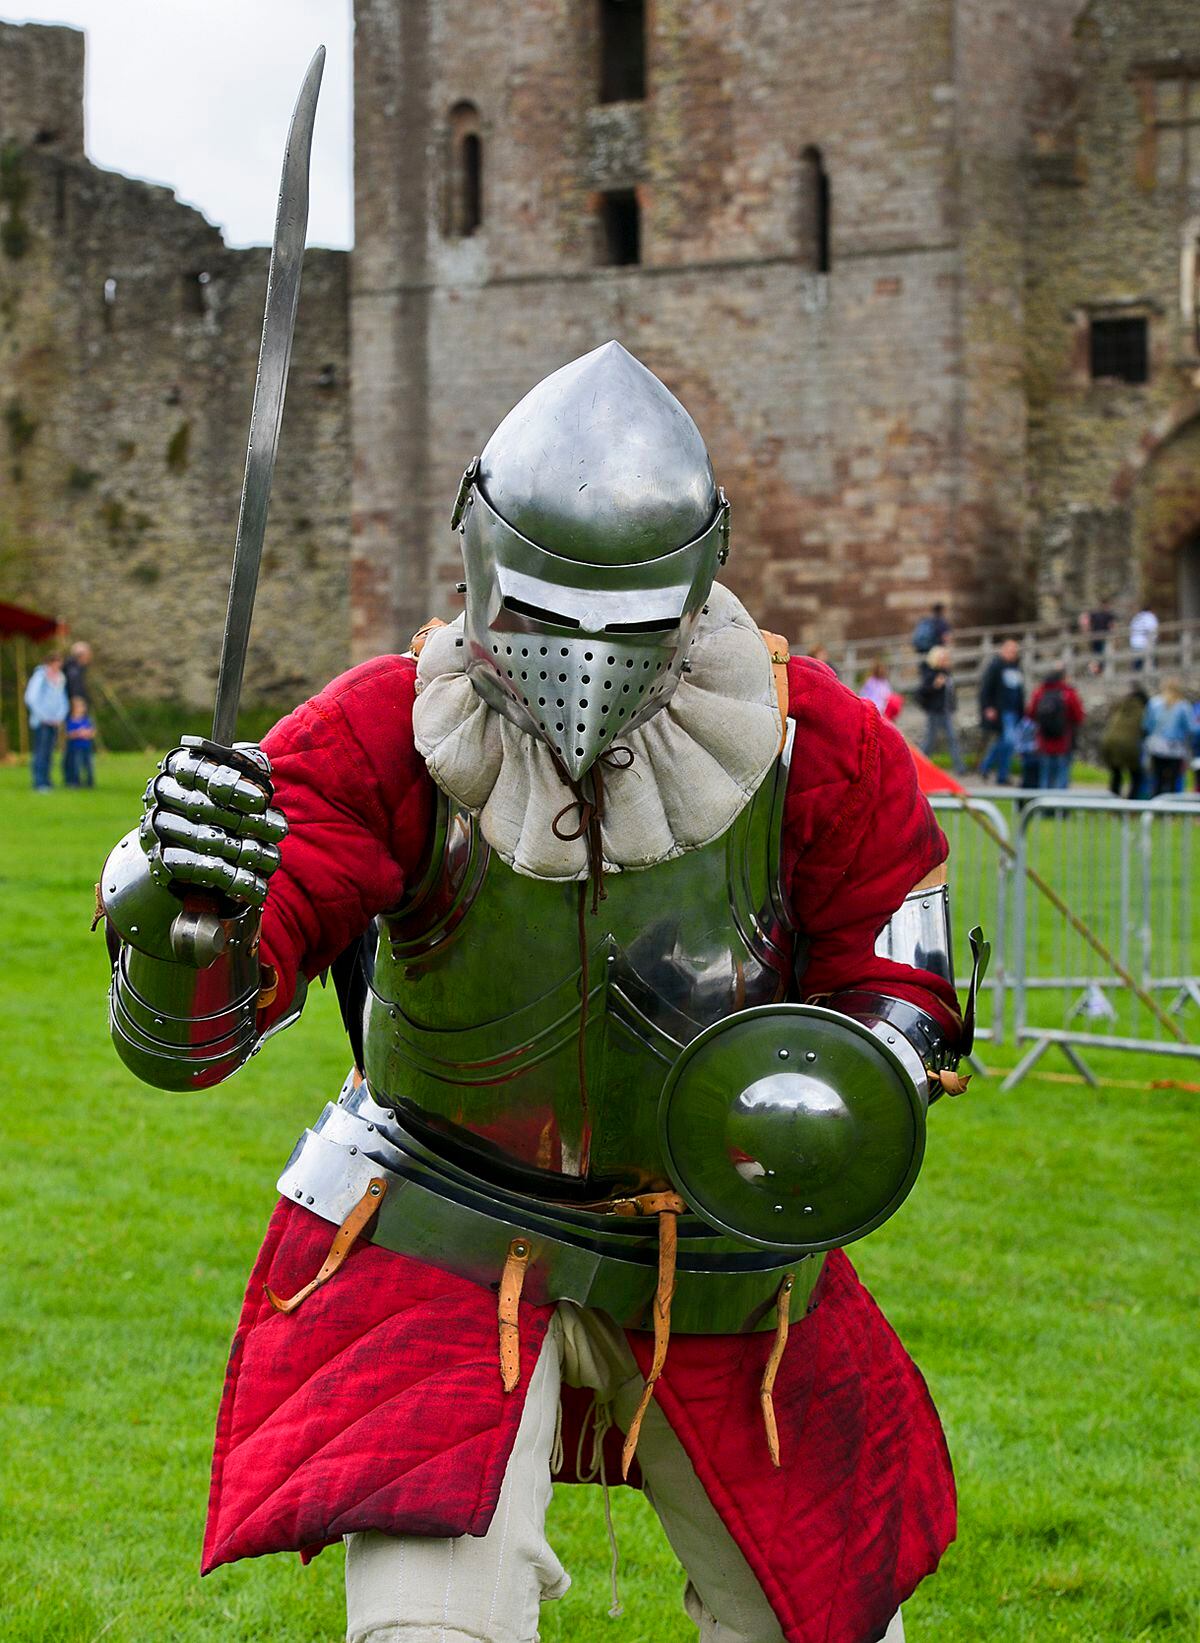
[[133, 929], [783, 1054], [124, 844], [810, 1055], [353, 1151], [374, 1191], [299, 1194], [308, 1200]]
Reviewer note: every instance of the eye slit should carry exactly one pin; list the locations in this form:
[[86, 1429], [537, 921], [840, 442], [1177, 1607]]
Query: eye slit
[[624, 690], [559, 702], [562, 678], [660, 625], [564, 651], [541, 701], [604, 709], [508, 650], [587, 655], [583, 701], [539, 613], [543, 651], [524, 653], [579, 753], [558, 727], [585, 679], [581, 729], [495, 650], [608, 684], [543, 675]]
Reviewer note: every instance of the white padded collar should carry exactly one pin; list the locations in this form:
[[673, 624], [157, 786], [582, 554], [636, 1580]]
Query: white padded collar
[[696, 762]]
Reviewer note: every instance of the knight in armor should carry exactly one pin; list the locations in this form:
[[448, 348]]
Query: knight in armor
[[640, 934]]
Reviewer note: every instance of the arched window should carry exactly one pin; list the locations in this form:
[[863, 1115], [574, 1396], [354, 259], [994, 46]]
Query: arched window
[[814, 212], [464, 215], [622, 50]]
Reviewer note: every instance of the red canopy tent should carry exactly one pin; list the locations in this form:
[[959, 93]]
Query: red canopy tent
[[20, 624], [930, 777]]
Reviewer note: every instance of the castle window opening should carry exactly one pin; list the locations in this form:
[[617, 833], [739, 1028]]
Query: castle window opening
[[464, 212], [196, 293], [1118, 349], [1189, 580], [622, 50], [46, 136], [814, 212], [1177, 132], [621, 222]]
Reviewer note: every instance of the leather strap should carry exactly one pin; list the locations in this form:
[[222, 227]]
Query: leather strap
[[783, 1303], [417, 644], [669, 1206], [512, 1281], [780, 651], [344, 1240]]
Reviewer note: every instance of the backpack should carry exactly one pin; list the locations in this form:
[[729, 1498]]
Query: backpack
[[1051, 714], [925, 635]]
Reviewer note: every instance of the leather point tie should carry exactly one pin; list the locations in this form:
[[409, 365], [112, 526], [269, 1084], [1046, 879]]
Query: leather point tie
[[668, 1206], [783, 1304], [512, 1281], [344, 1240]]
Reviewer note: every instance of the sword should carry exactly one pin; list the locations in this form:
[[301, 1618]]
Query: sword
[[197, 933], [279, 323]]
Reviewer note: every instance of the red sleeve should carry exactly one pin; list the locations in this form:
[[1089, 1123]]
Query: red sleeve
[[858, 836], [358, 802]]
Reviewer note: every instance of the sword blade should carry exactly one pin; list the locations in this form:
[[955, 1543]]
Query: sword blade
[[275, 351]]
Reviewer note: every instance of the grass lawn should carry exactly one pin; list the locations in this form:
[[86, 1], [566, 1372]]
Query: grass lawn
[[1045, 1274]]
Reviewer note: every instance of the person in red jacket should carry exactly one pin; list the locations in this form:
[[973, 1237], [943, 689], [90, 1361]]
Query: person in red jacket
[[1057, 713], [639, 930]]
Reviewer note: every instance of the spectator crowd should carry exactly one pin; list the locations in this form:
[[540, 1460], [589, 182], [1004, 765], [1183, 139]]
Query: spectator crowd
[[1030, 731]]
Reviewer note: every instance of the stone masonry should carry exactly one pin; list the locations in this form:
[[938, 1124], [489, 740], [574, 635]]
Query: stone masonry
[[926, 272], [868, 421], [1114, 235], [128, 343]]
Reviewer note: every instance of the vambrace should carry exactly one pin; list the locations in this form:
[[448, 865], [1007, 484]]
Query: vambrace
[[175, 1025], [917, 934]]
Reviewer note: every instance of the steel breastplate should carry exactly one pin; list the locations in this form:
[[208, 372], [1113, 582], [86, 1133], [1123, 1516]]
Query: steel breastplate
[[473, 1017]]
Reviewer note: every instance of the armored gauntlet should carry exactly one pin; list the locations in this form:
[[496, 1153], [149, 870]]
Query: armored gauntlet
[[182, 894]]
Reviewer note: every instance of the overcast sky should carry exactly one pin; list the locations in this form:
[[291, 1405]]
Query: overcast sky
[[197, 94]]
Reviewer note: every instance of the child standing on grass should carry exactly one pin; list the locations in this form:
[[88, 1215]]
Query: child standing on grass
[[79, 753]]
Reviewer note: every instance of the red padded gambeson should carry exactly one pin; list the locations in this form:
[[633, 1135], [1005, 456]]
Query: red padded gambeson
[[378, 1404]]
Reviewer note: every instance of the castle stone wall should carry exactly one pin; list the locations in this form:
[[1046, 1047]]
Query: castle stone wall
[[128, 344]]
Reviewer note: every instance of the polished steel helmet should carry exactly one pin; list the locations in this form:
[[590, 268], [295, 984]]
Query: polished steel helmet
[[592, 529]]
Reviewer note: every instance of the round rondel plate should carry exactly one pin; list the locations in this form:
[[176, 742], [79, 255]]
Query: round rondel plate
[[792, 1127]]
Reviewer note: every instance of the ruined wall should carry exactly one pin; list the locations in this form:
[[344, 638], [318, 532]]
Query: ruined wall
[[1114, 209], [835, 405], [128, 341]]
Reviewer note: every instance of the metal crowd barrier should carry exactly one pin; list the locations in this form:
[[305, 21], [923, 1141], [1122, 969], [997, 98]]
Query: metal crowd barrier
[[1122, 970], [979, 872]]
